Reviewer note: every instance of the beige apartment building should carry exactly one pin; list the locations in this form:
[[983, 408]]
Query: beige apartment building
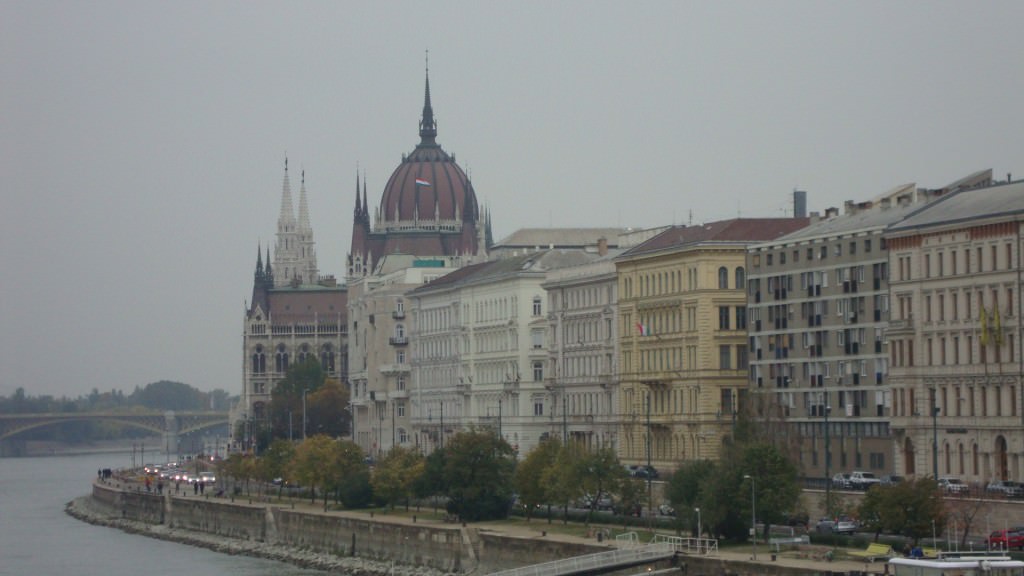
[[954, 338], [683, 340]]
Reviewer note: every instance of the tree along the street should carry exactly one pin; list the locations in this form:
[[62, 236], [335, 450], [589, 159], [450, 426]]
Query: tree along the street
[[287, 395], [396, 474], [914, 508], [478, 471], [529, 482]]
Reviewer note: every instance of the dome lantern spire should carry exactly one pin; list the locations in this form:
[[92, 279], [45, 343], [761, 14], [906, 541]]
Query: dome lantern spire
[[428, 127]]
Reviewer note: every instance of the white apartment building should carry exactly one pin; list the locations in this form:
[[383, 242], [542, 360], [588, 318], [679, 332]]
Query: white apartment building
[[474, 360], [583, 351]]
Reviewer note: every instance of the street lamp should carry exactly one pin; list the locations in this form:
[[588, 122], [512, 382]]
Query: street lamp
[[304, 390], [753, 512], [935, 435], [828, 463], [697, 510]]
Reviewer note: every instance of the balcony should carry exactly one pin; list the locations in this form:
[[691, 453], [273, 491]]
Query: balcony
[[398, 314], [398, 340], [395, 368]]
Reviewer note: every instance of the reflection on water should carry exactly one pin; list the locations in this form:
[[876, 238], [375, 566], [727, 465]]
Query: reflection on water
[[38, 538]]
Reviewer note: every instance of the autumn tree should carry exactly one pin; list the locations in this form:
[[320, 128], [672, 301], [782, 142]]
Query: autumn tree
[[529, 480], [396, 475]]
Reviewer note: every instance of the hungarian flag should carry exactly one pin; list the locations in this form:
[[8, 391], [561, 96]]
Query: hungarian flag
[[422, 182], [642, 329]]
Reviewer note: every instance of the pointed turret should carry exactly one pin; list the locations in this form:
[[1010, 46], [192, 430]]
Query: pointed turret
[[359, 208], [303, 207], [428, 127], [259, 262]]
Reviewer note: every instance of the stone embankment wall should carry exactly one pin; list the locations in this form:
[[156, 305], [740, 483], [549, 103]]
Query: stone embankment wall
[[444, 548]]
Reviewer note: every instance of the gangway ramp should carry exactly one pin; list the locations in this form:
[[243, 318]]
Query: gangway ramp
[[596, 563]]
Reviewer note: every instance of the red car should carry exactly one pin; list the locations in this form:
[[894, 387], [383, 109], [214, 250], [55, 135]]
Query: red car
[[1006, 539]]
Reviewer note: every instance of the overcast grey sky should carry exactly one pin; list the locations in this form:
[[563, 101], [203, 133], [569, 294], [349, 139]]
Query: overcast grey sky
[[142, 143]]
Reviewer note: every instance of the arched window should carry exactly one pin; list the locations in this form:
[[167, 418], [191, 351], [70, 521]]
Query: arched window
[[281, 359], [327, 358], [259, 361], [303, 353], [741, 278], [399, 331], [723, 278]]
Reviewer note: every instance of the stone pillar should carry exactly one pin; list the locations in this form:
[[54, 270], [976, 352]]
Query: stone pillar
[[170, 434]]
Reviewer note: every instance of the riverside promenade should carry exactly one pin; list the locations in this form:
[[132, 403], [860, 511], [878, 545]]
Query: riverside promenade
[[550, 540]]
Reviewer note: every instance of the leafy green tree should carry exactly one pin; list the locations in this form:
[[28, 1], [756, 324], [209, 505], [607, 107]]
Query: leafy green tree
[[396, 474], [529, 481], [908, 508], [275, 462], [774, 482], [168, 395], [431, 483], [287, 395], [632, 496], [562, 479], [600, 474], [325, 410], [683, 489], [478, 473], [351, 479]]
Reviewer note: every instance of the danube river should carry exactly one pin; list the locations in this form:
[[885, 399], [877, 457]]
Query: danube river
[[37, 537]]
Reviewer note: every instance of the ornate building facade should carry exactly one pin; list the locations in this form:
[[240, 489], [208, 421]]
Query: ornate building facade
[[955, 335], [294, 314]]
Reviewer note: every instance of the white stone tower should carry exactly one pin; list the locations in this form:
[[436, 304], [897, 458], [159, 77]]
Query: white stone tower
[[294, 252]]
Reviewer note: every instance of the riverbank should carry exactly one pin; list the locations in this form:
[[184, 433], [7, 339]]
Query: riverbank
[[85, 509]]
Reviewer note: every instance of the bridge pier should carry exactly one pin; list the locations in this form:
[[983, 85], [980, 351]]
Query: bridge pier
[[10, 447], [170, 434]]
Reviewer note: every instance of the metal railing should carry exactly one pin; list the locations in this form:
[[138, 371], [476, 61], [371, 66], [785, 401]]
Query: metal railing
[[624, 557], [706, 546]]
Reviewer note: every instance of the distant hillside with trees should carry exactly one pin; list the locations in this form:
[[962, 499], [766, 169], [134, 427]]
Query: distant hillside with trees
[[159, 396]]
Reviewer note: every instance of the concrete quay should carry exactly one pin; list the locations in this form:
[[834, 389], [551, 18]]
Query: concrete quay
[[360, 542]]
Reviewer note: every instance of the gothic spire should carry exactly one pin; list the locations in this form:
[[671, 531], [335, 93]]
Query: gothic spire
[[286, 219], [303, 207], [359, 209], [428, 127]]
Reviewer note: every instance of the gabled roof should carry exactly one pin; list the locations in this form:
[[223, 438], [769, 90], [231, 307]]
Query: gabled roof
[[736, 230], [1004, 199]]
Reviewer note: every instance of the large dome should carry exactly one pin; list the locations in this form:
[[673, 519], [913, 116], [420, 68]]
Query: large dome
[[428, 190]]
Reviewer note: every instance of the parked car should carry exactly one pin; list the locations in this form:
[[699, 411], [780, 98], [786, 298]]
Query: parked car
[[1007, 488], [825, 526], [1006, 539], [845, 526], [666, 509], [642, 471], [891, 480], [863, 480], [842, 481], [951, 485]]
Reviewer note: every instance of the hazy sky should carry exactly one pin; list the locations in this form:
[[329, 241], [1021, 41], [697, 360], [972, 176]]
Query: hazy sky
[[142, 143]]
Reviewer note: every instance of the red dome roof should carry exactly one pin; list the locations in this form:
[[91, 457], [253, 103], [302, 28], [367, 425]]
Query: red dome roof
[[428, 185]]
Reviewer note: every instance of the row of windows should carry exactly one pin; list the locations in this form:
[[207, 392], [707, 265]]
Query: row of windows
[[953, 262], [671, 282], [953, 401], [822, 252], [954, 350]]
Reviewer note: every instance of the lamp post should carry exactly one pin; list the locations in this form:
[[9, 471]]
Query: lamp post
[[935, 435], [650, 490], [697, 510], [753, 512], [828, 464], [304, 390]]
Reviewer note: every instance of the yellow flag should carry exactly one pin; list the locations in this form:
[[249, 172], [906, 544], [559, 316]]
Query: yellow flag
[[984, 327], [998, 329]]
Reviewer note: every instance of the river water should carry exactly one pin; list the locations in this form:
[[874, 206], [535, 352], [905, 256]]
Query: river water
[[38, 538]]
